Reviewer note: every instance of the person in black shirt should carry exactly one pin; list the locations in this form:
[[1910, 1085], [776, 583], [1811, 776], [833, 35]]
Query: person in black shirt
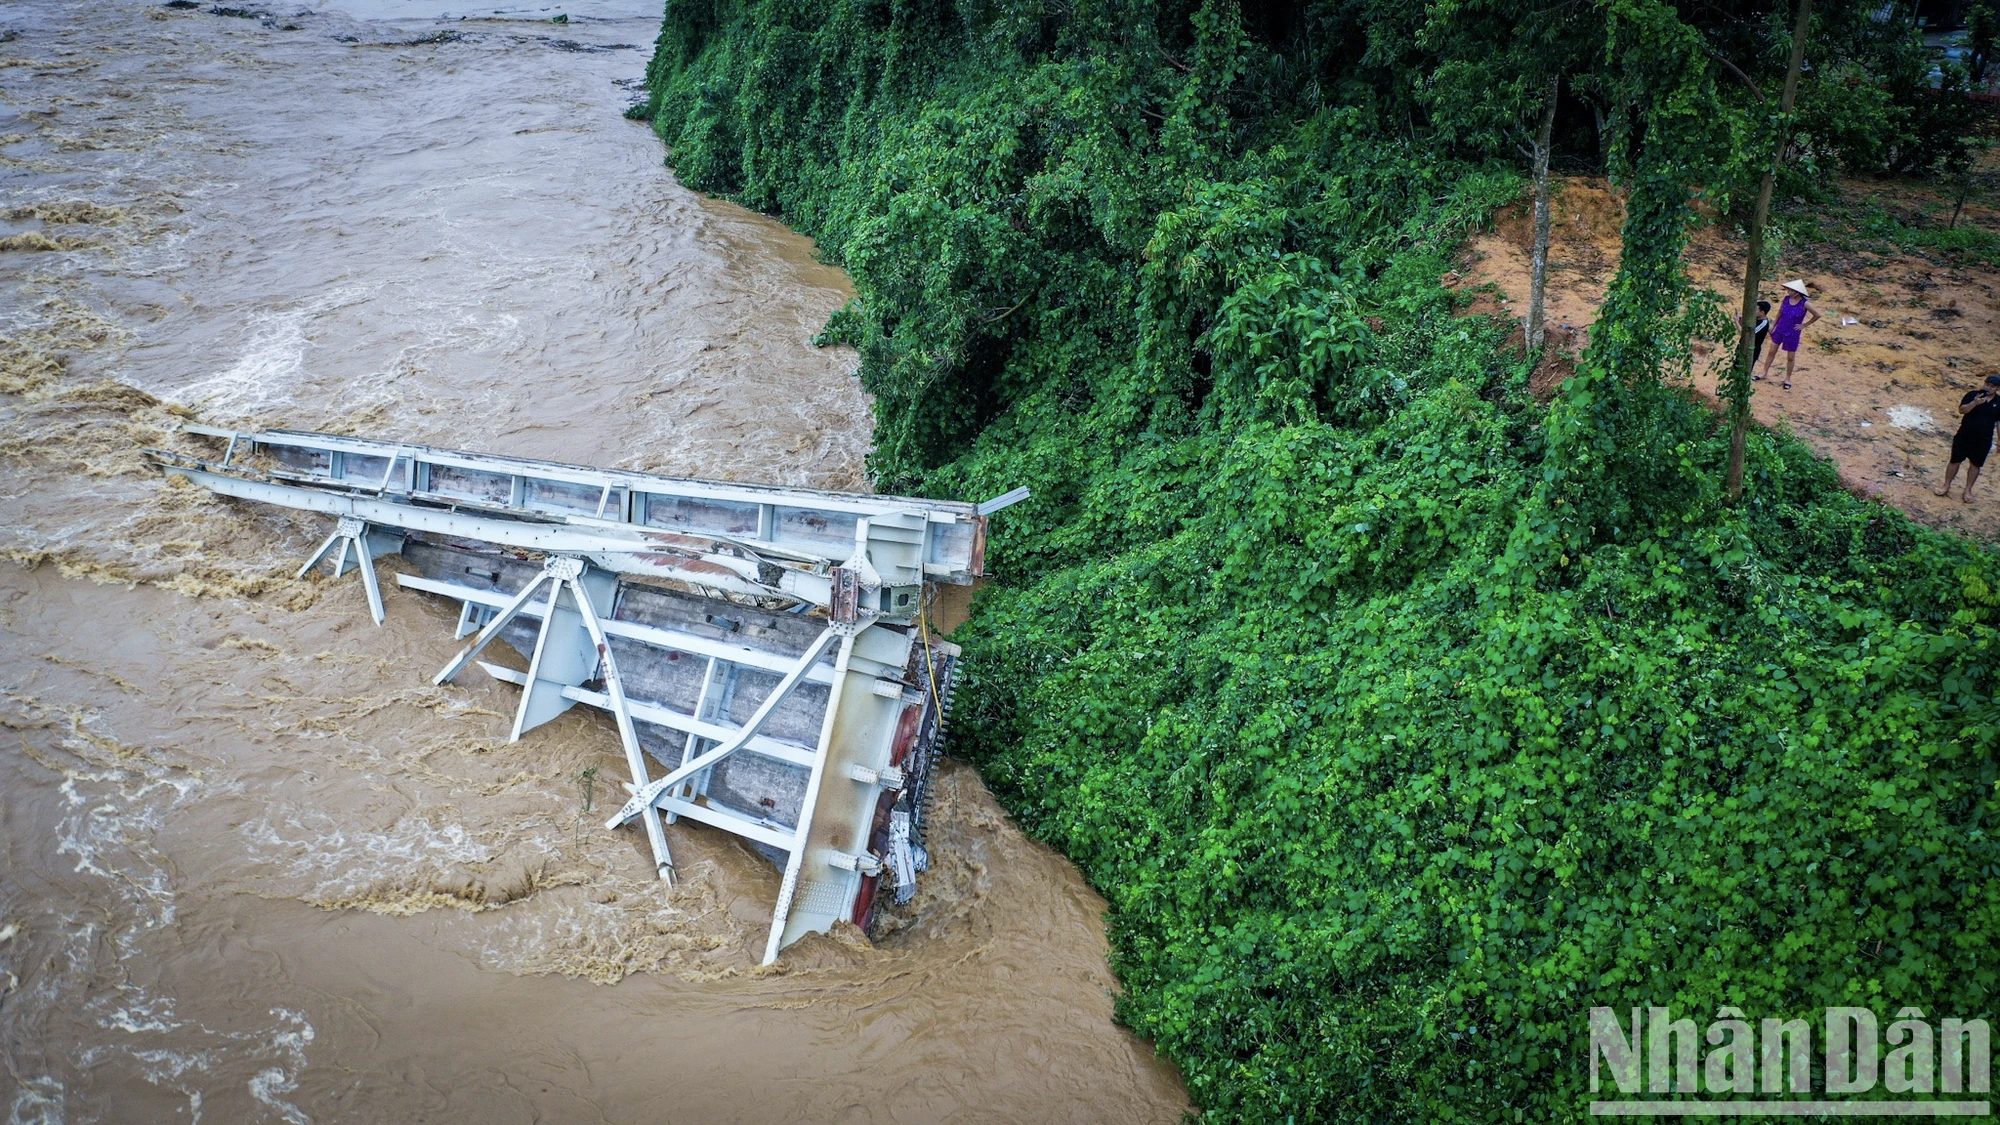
[[1763, 329], [1981, 410]]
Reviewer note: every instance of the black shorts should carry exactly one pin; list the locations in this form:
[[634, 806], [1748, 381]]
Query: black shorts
[[1971, 447]]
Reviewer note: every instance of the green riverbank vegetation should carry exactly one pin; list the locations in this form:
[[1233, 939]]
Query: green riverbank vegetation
[[1400, 717]]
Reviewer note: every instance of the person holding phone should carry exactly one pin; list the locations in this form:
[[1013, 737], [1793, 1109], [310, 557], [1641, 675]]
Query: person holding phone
[[1980, 411]]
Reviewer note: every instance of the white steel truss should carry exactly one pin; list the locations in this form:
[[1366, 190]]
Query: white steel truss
[[808, 732], [853, 554]]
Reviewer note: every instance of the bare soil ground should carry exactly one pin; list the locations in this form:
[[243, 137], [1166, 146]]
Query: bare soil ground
[[1906, 328]]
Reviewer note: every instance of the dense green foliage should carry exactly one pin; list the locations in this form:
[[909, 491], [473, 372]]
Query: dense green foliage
[[1400, 718]]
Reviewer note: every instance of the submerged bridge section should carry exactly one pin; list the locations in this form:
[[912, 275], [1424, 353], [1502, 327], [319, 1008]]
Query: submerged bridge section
[[763, 652]]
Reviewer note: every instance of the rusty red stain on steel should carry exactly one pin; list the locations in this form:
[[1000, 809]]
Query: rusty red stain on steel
[[906, 733], [878, 829], [977, 564], [692, 566], [864, 901], [677, 540]]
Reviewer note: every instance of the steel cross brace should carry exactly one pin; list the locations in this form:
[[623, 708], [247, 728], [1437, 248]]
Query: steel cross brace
[[647, 793], [566, 579]]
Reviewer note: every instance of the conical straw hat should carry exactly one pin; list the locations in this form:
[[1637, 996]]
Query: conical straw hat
[[1798, 285]]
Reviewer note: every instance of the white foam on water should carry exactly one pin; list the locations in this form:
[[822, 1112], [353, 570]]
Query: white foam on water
[[272, 360], [142, 1014], [115, 798], [319, 844], [37, 1102], [164, 1066], [289, 1039]]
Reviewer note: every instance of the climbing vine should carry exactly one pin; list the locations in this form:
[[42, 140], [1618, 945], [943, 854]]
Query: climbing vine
[[1399, 717]]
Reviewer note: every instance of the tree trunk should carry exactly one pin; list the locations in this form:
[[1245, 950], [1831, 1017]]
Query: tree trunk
[[1739, 382], [1538, 270]]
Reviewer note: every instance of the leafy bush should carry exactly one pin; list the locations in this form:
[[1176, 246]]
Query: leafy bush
[[1866, 225], [1965, 243], [1399, 718]]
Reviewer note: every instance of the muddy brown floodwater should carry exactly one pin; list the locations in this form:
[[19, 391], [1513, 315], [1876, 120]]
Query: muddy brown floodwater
[[255, 867]]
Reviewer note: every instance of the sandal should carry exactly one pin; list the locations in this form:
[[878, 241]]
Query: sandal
[[1788, 384], [1756, 378]]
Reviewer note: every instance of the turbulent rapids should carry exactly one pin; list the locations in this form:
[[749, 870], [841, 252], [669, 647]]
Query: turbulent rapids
[[767, 646], [258, 867]]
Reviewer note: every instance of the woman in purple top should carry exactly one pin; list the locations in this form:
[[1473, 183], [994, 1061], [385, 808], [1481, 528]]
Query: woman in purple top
[[1794, 313]]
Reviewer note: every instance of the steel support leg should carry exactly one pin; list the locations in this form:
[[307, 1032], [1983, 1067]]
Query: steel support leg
[[554, 662], [559, 661], [797, 859], [368, 582], [635, 756], [351, 534]]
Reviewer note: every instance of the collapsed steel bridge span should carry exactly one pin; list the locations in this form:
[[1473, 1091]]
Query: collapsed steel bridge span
[[766, 648]]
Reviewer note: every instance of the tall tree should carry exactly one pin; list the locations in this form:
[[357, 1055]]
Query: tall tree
[[1538, 274], [1982, 32], [1753, 268], [1500, 69]]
